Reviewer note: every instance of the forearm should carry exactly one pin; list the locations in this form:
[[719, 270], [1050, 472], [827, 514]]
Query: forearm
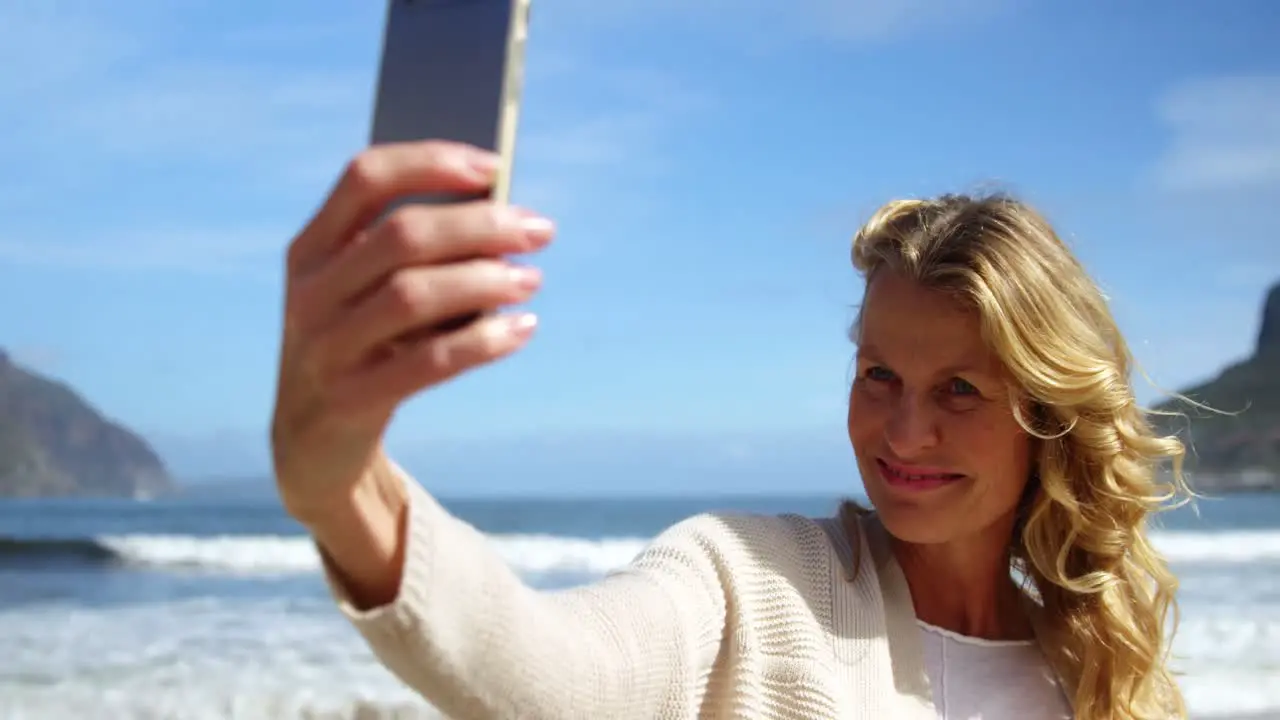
[[362, 537], [462, 629]]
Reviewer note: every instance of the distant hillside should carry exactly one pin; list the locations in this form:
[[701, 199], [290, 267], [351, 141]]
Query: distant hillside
[[53, 443], [1241, 450]]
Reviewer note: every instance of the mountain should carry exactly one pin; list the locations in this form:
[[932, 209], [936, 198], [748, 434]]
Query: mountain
[[53, 443], [1236, 444]]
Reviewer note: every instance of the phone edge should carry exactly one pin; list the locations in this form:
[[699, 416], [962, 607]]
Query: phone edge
[[377, 77], [512, 92]]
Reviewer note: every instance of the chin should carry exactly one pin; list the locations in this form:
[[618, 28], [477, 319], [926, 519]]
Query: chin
[[913, 525]]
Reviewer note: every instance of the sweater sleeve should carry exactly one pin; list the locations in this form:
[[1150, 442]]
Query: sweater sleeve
[[467, 634]]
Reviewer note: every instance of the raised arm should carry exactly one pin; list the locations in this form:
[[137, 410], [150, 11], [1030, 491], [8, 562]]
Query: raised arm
[[457, 625], [378, 309]]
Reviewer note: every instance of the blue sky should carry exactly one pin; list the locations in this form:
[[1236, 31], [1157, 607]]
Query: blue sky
[[707, 164]]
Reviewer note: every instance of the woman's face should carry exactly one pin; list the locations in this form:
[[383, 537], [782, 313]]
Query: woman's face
[[930, 418]]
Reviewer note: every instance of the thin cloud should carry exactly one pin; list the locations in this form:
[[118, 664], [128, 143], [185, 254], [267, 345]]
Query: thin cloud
[[168, 141], [251, 121], [869, 21], [1224, 134], [771, 23], [46, 43], [99, 91], [1212, 192], [228, 125], [39, 358], [1209, 200], [587, 129], [234, 250]]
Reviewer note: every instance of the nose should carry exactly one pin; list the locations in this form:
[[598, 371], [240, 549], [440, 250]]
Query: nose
[[912, 428]]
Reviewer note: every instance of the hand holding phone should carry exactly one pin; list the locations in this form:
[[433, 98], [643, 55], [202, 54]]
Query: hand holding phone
[[399, 282], [385, 298]]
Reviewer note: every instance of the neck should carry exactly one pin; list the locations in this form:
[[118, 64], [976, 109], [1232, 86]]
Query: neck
[[964, 585]]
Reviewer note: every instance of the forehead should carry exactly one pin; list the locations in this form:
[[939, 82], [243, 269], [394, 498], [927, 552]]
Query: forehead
[[904, 322]]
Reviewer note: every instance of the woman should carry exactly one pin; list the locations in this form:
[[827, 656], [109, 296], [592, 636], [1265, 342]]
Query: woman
[[1004, 572]]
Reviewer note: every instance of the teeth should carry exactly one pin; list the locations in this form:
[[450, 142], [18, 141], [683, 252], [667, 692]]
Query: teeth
[[918, 478], [904, 476]]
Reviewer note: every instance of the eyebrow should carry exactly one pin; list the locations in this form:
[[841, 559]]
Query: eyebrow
[[868, 351]]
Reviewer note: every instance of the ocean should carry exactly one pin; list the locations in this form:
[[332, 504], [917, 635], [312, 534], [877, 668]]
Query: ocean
[[210, 605]]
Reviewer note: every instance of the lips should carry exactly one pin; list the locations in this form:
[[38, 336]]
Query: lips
[[916, 477]]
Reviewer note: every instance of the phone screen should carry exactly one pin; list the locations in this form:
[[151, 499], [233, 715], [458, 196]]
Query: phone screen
[[444, 71]]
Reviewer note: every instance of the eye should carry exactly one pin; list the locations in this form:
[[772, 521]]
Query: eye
[[960, 386], [878, 374]]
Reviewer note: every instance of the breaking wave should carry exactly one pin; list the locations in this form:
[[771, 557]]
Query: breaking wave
[[258, 554]]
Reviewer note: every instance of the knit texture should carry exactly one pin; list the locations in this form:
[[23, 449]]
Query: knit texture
[[722, 616]]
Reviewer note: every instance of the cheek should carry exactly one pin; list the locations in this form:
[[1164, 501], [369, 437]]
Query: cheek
[[865, 422], [998, 450]]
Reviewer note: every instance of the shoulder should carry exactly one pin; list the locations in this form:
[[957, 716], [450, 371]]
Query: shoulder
[[736, 533], [744, 547]]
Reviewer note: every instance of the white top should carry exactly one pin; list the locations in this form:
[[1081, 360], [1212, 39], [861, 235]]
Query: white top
[[976, 679], [722, 615]]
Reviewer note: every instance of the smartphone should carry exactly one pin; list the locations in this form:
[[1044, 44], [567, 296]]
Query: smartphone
[[453, 70]]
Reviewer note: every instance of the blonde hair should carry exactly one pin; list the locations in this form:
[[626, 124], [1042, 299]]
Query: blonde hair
[[1080, 541]]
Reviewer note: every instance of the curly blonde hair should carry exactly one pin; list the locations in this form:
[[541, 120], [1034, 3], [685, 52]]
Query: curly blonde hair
[[1080, 543]]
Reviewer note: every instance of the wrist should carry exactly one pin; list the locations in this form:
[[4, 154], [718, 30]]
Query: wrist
[[377, 496], [361, 535], [320, 507]]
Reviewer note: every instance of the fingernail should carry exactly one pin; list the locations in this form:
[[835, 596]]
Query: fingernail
[[484, 163], [522, 325], [537, 229], [526, 278]]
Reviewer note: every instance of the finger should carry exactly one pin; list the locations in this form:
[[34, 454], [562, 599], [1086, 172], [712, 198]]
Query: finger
[[421, 297], [422, 235], [431, 361], [379, 175]]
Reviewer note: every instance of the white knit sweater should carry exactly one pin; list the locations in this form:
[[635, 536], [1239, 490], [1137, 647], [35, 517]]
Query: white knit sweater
[[722, 616]]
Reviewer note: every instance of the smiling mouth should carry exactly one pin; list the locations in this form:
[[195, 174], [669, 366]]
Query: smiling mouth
[[914, 477]]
